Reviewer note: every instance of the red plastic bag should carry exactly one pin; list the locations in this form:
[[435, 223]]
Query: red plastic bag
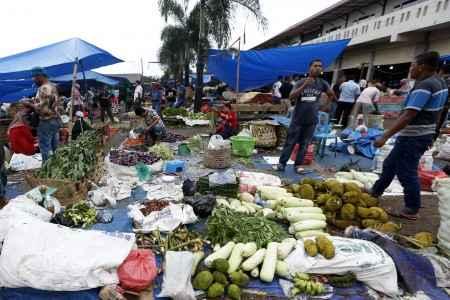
[[309, 156], [427, 177], [138, 270]]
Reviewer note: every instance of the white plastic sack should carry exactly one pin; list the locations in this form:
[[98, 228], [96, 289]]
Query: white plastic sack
[[217, 142], [444, 151], [177, 276], [128, 175], [56, 258], [21, 162], [442, 187], [371, 264], [167, 219], [255, 179], [164, 191], [21, 210]]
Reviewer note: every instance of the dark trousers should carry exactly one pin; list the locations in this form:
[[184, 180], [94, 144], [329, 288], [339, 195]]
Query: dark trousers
[[403, 162], [297, 134], [343, 110], [106, 110]]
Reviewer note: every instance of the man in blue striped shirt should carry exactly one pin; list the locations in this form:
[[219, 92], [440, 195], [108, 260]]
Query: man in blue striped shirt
[[415, 127]]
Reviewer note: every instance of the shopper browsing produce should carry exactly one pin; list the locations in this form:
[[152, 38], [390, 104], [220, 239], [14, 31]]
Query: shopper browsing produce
[[156, 130]]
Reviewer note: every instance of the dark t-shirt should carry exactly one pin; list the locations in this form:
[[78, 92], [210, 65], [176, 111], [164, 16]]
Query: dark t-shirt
[[286, 89], [308, 103]]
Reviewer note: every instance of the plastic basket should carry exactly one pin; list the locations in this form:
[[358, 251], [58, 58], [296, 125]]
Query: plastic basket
[[242, 145], [217, 159], [264, 134]]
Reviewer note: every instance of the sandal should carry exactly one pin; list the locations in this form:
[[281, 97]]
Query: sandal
[[403, 213], [279, 168], [301, 171]]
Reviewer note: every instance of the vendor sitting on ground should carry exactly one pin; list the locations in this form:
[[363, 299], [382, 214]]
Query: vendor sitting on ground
[[155, 130], [79, 126], [228, 122], [20, 137]]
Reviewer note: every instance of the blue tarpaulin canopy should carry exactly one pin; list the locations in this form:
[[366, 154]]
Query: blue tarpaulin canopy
[[57, 59], [446, 58], [88, 75], [262, 67]]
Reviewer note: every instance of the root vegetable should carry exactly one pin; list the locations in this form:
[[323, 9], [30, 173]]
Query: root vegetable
[[270, 261]]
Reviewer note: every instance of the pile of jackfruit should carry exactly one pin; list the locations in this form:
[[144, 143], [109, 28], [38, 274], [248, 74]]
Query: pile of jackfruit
[[344, 204]]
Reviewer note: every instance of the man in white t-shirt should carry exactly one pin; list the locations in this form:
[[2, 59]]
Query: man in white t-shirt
[[276, 93], [350, 91], [366, 102], [138, 93]]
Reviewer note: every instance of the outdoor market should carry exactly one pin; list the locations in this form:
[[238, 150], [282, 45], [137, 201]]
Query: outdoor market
[[255, 177]]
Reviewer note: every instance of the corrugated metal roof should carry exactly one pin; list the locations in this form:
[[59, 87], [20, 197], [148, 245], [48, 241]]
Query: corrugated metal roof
[[328, 15]]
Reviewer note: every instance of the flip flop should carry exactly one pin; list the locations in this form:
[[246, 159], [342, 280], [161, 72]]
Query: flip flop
[[301, 171], [402, 214]]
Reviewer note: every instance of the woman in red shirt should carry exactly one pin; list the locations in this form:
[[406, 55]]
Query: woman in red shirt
[[228, 122], [20, 137]]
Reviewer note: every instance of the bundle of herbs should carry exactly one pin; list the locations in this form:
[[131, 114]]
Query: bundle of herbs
[[226, 225], [73, 161]]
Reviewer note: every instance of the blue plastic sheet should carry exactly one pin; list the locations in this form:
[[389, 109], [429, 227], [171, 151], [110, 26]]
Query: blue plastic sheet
[[446, 58], [363, 144], [259, 68], [415, 271], [57, 59]]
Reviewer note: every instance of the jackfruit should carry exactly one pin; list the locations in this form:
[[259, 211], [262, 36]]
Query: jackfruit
[[363, 213], [343, 224], [369, 200], [370, 223], [388, 227], [234, 292], [319, 186], [351, 197], [306, 191], [203, 280], [309, 181], [330, 216], [382, 215], [311, 248], [323, 198], [333, 204], [220, 265], [334, 187], [216, 290], [220, 278], [425, 239], [295, 188], [348, 212], [351, 187], [325, 247], [239, 278]]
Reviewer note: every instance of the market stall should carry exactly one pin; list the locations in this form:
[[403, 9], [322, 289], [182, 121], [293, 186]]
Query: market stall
[[234, 232]]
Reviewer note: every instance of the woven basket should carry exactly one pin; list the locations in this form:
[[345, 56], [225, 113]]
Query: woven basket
[[265, 135], [68, 192], [217, 159]]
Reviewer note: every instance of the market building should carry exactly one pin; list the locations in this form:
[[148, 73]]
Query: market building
[[385, 35]]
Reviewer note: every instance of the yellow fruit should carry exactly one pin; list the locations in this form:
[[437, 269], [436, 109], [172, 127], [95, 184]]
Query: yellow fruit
[[311, 248], [425, 239]]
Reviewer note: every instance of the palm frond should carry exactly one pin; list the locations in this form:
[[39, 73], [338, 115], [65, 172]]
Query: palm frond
[[172, 8]]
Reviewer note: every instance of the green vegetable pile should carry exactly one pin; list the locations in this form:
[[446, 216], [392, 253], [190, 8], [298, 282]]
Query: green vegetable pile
[[197, 116], [226, 225], [162, 151], [73, 161], [172, 112], [226, 190], [80, 214]]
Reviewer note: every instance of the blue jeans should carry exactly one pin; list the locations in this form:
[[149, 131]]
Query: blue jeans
[[297, 134], [180, 102], [156, 105], [48, 136], [403, 162]]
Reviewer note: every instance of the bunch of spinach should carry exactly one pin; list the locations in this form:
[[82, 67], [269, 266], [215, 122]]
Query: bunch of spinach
[[73, 161]]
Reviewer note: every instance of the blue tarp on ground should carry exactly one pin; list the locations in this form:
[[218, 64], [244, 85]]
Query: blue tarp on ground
[[57, 59], [259, 68]]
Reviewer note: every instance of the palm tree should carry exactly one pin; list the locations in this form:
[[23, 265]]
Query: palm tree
[[209, 20]]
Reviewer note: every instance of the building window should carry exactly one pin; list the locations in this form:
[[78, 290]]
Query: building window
[[392, 20], [425, 10], [374, 25], [379, 25], [387, 22], [408, 14], [402, 17], [419, 12], [438, 6], [446, 4]]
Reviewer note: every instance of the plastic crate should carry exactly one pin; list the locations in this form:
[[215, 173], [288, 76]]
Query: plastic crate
[[242, 145]]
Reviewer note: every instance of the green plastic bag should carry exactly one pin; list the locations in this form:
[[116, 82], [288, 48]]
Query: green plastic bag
[[144, 172]]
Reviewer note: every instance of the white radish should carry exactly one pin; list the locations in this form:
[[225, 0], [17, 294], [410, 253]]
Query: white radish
[[269, 264], [309, 233], [282, 269], [236, 258], [285, 248], [223, 252], [309, 225], [255, 273], [254, 261], [249, 249]]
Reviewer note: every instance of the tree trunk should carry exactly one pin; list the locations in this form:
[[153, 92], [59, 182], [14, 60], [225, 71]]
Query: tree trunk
[[199, 84], [187, 72]]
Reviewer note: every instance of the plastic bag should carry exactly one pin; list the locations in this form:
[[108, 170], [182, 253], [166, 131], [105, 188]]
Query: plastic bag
[[444, 151], [177, 276], [144, 172], [222, 178], [138, 270], [427, 177], [21, 162], [37, 196], [202, 204], [366, 260], [217, 142], [442, 187], [189, 188], [245, 132]]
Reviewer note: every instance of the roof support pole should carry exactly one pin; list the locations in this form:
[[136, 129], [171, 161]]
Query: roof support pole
[[74, 81], [383, 11], [370, 67]]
